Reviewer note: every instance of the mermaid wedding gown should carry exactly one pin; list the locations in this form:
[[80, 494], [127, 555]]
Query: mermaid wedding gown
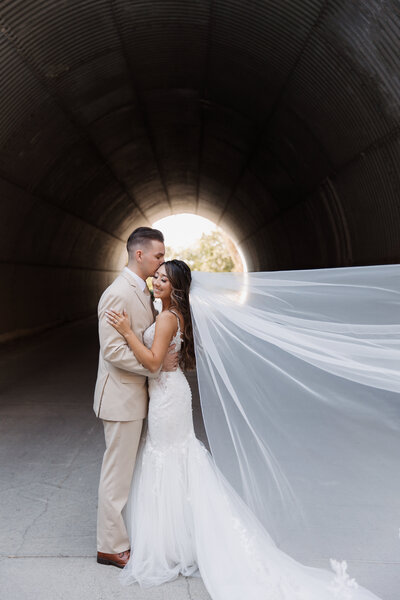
[[183, 517]]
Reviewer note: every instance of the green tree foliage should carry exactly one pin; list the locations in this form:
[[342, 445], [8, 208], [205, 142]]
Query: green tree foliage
[[209, 253]]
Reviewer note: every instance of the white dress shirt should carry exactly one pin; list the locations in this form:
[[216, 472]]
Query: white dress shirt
[[141, 282]]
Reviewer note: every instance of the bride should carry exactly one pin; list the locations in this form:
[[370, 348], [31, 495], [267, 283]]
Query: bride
[[183, 514]]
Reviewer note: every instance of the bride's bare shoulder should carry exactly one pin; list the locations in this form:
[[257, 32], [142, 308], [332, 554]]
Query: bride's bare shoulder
[[165, 317]]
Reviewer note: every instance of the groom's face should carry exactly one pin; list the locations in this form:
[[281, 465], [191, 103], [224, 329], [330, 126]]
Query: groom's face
[[152, 257]]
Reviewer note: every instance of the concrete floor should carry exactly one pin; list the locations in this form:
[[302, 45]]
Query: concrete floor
[[51, 446]]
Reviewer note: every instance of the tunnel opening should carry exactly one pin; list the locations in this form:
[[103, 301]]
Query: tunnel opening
[[201, 243]]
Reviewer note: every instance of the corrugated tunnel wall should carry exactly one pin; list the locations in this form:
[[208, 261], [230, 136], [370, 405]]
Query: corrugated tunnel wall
[[277, 119]]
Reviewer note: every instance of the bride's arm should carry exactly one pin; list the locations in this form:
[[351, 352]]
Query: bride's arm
[[152, 358]]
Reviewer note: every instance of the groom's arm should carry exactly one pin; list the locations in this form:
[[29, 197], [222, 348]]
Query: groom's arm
[[113, 345]]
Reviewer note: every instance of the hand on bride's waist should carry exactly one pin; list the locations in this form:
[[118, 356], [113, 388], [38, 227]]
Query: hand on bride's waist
[[171, 360]]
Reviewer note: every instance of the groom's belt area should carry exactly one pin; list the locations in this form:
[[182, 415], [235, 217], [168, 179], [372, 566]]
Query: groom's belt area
[[127, 377], [122, 375]]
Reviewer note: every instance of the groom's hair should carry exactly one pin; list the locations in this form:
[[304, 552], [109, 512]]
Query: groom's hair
[[141, 237]]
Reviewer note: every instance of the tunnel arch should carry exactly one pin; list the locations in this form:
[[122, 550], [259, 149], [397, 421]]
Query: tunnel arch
[[279, 120]]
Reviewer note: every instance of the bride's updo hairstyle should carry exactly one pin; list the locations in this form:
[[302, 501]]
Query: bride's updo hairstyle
[[180, 277]]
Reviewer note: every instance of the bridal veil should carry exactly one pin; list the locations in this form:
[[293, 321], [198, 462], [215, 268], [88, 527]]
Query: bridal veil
[[299, 380]]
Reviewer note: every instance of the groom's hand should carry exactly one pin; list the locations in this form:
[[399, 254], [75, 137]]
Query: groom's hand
[[171, 359]]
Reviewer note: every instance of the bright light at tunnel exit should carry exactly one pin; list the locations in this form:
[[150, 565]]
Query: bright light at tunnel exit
[[181, 231]]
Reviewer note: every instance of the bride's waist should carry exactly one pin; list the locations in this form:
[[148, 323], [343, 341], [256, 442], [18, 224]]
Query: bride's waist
[[168, 375]]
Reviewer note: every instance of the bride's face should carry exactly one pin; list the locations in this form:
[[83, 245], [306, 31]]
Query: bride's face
[[161, 285]]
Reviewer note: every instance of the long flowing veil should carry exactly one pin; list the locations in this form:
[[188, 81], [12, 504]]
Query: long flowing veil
[[299, 380]]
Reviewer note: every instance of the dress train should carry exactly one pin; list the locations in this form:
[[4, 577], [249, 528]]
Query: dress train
[[184, 517]]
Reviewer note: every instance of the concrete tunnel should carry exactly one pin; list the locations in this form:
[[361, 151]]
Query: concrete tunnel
[[277, 120]]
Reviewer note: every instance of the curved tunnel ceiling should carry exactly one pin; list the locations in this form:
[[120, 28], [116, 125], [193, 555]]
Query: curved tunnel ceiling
[[277, 120]]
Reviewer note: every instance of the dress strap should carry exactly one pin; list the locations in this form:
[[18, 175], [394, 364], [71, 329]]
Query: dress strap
[[179, 321]]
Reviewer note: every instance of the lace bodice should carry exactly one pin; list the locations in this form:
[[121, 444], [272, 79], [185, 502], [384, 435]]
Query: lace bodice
[[148, 336]]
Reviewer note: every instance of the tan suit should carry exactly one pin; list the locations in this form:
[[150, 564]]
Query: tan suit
[[121, 401]]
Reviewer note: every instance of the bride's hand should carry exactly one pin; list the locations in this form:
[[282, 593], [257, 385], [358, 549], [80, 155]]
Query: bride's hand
[[119, 321]]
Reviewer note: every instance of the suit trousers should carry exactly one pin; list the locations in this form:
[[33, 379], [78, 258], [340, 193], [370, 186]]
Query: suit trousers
[[122, 441]]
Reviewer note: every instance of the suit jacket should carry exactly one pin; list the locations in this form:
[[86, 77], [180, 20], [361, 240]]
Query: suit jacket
[[121, 387]]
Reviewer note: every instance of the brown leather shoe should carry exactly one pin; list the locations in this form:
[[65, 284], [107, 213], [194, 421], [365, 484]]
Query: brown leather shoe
[[117, 560]]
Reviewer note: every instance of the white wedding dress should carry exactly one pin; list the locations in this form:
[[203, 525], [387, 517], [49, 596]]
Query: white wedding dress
[[184, 518]]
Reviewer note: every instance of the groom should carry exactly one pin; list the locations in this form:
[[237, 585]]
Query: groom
[[121, 397]]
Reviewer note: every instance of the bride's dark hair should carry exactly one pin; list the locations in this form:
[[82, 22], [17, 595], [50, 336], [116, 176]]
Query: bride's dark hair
[[180, 277]]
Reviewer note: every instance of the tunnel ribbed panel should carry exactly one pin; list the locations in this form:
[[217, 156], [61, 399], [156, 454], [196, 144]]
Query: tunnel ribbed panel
[[277, 120]]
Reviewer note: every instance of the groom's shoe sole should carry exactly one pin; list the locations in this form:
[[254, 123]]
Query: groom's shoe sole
[[115, 560], [102, 561]]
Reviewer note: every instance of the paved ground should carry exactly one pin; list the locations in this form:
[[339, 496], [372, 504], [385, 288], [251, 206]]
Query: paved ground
[[51, 448]]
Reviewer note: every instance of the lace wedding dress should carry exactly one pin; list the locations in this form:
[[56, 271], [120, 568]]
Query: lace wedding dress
[[184, 517]]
